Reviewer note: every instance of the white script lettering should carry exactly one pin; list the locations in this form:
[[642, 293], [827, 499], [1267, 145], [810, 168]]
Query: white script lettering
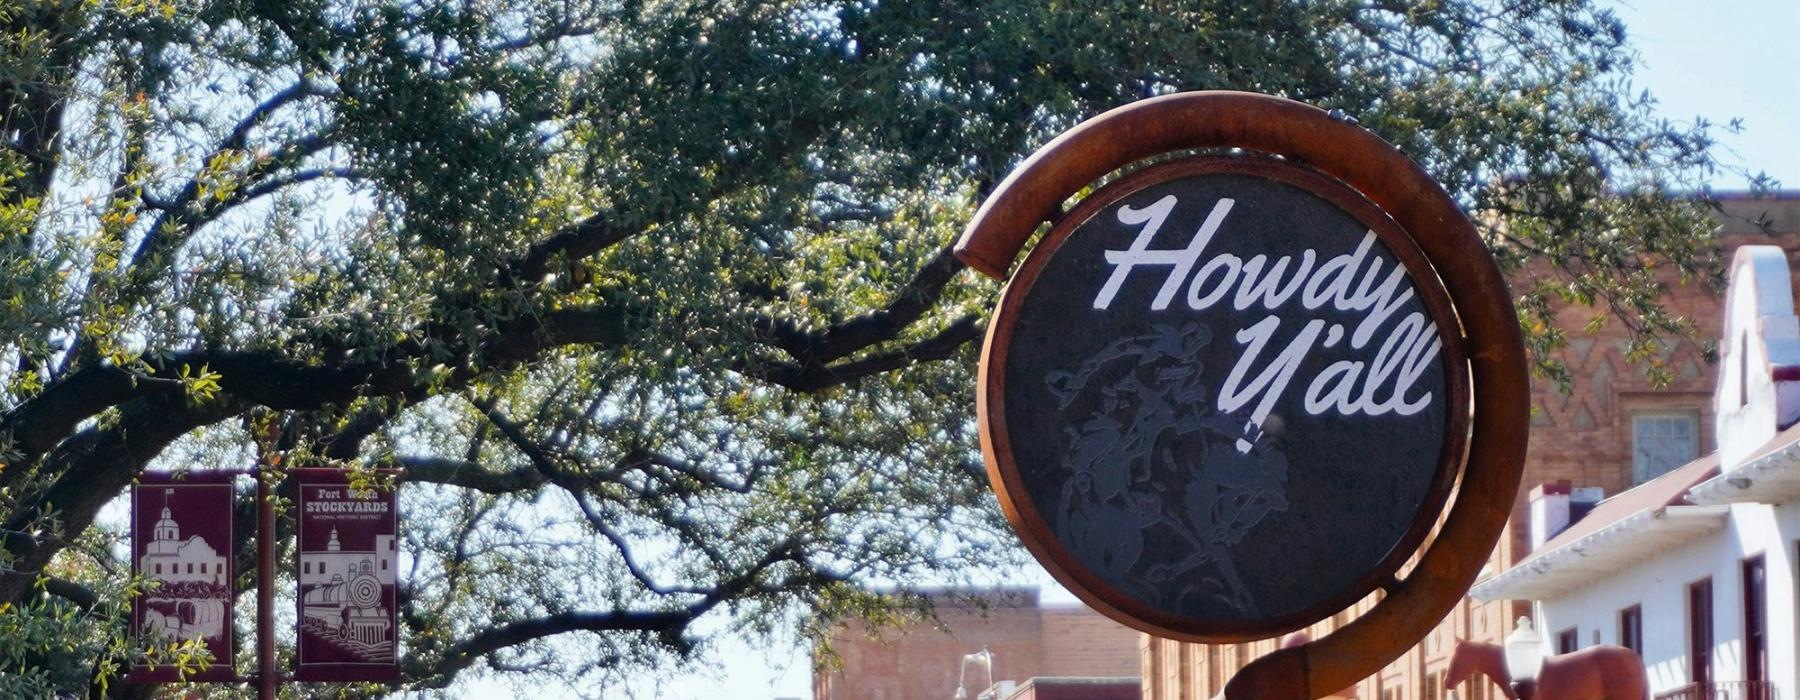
[[1355, 282]]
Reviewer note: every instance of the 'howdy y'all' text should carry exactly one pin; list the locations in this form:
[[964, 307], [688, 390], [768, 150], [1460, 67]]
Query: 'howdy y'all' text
[[1351, 282]]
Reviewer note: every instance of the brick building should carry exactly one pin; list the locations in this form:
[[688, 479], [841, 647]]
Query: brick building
[[1694, 570], [1075, 688], [1027, 640], [1612, 430]]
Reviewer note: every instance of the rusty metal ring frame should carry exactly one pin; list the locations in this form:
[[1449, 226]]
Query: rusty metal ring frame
[[1500, 411]]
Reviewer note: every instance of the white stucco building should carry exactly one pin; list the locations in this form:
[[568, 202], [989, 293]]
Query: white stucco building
[[335, 565], [169, 558], [1695, 569]]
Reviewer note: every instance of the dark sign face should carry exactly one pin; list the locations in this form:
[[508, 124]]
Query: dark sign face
[[1220, 397]]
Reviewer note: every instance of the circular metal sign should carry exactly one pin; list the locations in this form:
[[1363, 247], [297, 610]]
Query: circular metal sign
[[1225, 397]]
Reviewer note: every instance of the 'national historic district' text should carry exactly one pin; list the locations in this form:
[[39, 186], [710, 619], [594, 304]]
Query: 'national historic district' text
[[1354, 282]]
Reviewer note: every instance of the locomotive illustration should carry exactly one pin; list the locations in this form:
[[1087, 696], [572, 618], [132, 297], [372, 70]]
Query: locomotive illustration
[[344, 597]]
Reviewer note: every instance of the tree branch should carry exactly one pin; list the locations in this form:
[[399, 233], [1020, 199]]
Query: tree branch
[[182, 216], [93, 467], [269, 186], [667, 625], [817, 377], [910, 304], [452, 472], [83, 597], [240, 134], [42, 421], [466, 653], [579, 240]]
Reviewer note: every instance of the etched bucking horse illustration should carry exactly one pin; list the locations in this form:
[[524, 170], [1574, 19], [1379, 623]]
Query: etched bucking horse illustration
[[1149, 457]]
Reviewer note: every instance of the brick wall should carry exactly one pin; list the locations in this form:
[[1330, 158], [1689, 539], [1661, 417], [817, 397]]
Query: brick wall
[[921, 661], [1080, 642], [1075, 689]]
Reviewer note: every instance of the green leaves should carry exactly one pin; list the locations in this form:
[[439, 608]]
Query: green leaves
[[654, 296], [200, 385]]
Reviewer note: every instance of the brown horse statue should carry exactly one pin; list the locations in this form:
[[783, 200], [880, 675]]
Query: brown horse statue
[[1604, 672]]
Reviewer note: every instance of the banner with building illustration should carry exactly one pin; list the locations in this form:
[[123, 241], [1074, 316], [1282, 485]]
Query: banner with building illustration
[[181, 543], [347, 562]]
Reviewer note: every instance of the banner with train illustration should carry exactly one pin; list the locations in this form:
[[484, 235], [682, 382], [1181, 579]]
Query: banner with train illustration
[[181, 544], [347, 561]]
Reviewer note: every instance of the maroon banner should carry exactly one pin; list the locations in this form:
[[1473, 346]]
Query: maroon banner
[[347, 560], [181, 541]]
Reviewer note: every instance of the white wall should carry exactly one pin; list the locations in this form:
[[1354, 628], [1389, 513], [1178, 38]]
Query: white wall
[[1760, 332], [1660, 585]]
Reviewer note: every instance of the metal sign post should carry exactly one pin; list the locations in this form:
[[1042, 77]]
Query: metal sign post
[[266, 678]]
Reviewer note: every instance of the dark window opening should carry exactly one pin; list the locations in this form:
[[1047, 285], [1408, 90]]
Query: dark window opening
[[1743, 353], [1631, 628], [1568, 640], [1433, 688], [1700, 631], [1756, 621]]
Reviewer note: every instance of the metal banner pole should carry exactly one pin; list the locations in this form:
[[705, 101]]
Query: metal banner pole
[[265, 587]]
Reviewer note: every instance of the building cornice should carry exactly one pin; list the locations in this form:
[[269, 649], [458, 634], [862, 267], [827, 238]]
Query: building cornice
[[1770, 478], [1602, 553]]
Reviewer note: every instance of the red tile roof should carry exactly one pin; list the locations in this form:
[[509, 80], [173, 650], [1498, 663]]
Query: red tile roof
[[1670, 489], [1666, 490]]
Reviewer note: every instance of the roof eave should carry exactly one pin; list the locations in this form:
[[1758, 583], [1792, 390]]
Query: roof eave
[[1601, 553], [1771, 478]]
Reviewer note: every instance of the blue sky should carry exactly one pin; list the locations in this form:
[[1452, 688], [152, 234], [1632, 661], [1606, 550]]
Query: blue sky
[[1716, 60], [1722, 60]]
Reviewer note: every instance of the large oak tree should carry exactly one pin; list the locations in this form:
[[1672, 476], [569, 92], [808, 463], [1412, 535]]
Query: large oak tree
[[651, 300]]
